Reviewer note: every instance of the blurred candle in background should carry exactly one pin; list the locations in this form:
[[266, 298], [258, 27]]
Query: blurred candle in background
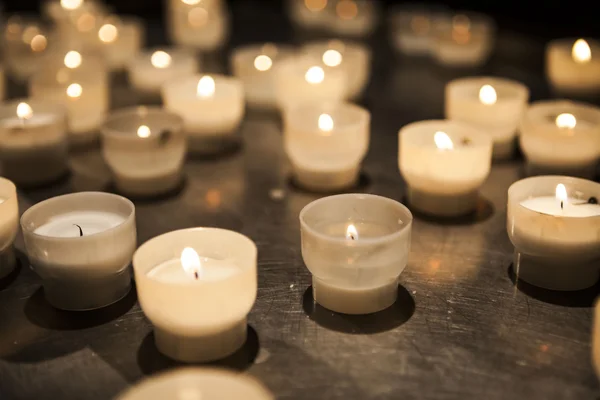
[[573, 66]]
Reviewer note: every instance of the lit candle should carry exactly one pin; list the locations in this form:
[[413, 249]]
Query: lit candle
[[24, 41], [145, 149], [412, 28], [81, 245], [9, 225], [560, 136], [444, 163], [197, 286], [201, 25], [309, 13], [212, 108], [573, 66], [355, 246], [353, 17], [63, 12], [493, 105], [326, 144], [120, 40], [553, 223]]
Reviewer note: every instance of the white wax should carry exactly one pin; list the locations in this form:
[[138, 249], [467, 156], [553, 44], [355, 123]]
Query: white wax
[[571, 208], [91, 222], [211, 270], [35, 121]]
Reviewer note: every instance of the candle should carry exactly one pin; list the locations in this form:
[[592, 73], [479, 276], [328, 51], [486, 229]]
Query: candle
[[355, 246], [202, 25], [255, 66], [81, 245], [493, 105], [120, 40], [554, 224], [561, 136], [354, 58], [444, 163], [596, 340], [145, 149], [33, 141], [353, 17], [66, 12], [198, 384], [150, 70], [197, 286], [326, 144], [9, 224], [25, 42], [412, 28], [573, 66], [212, 107], [464, 39]]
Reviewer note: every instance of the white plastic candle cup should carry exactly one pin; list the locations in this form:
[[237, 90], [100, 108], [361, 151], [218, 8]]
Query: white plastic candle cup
[[555, 231], [212, 108], [199, 25], [464, 40], [573, 66], [493, 105], [150, 70], [255, 66], [198, 384], [25, 42], [306, 78], [79, 82], [33, 141], [73, 12], [81, 245], [326, 143], [120, 40], [444, 163], [145, 149], [412, 28], [354, 58], [312, 14], [355, 246], [561, 136], [197, 303], [9, 224], [356, 18]]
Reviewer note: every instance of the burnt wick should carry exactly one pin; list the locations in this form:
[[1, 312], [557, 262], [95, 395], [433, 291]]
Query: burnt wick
[[196, 274], [592, 200], [465, 141], [80, 230], [562, 205], [164, 136]]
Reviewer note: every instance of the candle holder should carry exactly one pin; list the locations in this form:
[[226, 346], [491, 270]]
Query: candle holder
[[355, 246], [145, 149], [554, 227], [79, 13], [309, 14], [197, 286], [201, 25], [9, 225], [356, 18], [326, 143], [444, 163], [25, 42], [492, 105], [561, 136], [255, 66], [573, 66], [212, 108], [81, 245], [412, 28], [198, 383], [119, 39], [33, 141]]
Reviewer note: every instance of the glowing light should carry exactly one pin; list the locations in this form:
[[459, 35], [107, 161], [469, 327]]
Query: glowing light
[[420, 25], [74, 90], [315, 5], [346, 9], [198, 17], [191, 2], [86, 22], [325, 123], [206, 86], [29, 33], [581, 52], [332, 58], [143, 131], [561, 195], [160, 59], [443, 141], [190, 262], [566, 120], [314, 75], [39, 43], [24, 111], [487, 95], [108, 33], [72, 59], [71, 4], [263, 63], [351, 232]]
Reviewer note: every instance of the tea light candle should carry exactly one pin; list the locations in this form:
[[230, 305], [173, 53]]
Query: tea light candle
[[444, 163], [354, 58], [561, 136], [464, 39], [120, 40], [80, 84], [198, 384], [309, 13], [9, 224], [25, 42], [150, 70], [326, 144], [554, 224], [573, 66], [63, 12], [255, 66], [202, 25], [81, 245], [355, 246], [197, 286], [305, 78], [33, 141], [353, 17], [145, 149], [212, 107], [493, 105], [412, 28]]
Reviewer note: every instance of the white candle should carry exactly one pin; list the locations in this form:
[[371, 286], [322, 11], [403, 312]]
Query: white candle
[[202, 25], [120, 40], [555, 230], [81, 245], [353, 17], [309, 14], [573, 66], [444, 163], [197, 287], [25, 43], [9, 225], [412, 28]]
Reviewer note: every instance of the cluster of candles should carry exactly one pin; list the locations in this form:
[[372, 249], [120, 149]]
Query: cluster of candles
[[355, 245]]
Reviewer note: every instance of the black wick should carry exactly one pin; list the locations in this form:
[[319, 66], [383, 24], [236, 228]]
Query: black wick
[[591, 200], [164, 136], [80, 230], [465, 141], [196, 274], [562, 205]]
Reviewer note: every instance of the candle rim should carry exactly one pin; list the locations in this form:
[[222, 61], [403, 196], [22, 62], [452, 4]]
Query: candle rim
[[511, 89], [6, 185], [545, 112], [300, 111], [413, 134], [128, 113], [38, 106]]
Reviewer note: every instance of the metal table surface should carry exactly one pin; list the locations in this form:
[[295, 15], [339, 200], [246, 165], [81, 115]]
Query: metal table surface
[[461, 327]]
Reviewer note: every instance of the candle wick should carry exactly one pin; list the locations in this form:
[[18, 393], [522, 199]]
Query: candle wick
[[196, 274], [80, 230], [352, 237], [562, 205]]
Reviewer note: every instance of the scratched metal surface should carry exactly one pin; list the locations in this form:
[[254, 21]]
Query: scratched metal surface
[[461, 328]]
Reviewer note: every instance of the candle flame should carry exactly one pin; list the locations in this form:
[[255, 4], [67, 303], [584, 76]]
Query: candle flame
[[191, 2], [72, 59], [108, 33], [332, 58], [24, 111], [74, 90], [143, 131], [346, 9], [39, 43], [351, 232], [71, 4], [325, 123], [566, 120], [581, 51], [190, 262], [160, 59], [314, 75], [443, 141], [561, 194], [315, 5], [206, 86], [263, 62], [487, 95]]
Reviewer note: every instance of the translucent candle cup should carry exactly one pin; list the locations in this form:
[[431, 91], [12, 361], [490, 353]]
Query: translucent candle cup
[[412, 28], [81, 245], [9, 225], [197, 287], [25, 43], [120, 39], [309, 14], [355, 246], [573, 66], [145, 148], [356, 18], [67, 12], [201, 25]]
